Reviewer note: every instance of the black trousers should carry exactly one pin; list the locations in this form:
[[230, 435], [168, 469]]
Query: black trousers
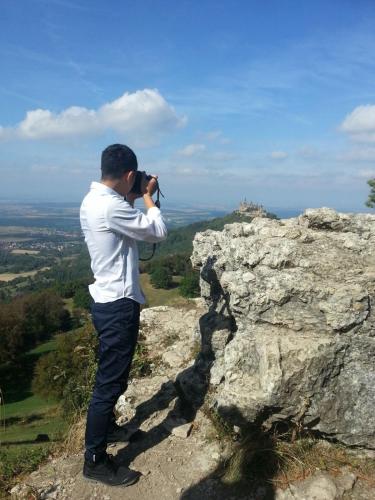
[[117, 325]]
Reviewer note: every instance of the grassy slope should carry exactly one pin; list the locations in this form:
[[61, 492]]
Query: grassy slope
[[16, 384], [159, 297], [24, 416]]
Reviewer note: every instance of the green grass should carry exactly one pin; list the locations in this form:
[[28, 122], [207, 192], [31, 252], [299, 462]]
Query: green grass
[[20, 461], [160, 297], [27, 428], [48, 346], [15, 382], [30, 405], [24, 416], [20, 402], [69, 305]]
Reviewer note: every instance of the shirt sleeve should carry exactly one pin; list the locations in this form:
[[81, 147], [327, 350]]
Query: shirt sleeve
[[129, 221]]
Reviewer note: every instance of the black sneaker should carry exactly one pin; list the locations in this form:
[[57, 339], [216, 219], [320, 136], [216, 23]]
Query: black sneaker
[[123, 434], [107, 472]]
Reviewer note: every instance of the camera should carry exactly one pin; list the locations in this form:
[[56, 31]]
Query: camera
[[139, 177]]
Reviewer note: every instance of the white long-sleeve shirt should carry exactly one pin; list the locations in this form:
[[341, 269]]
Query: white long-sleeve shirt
[[111, 227]]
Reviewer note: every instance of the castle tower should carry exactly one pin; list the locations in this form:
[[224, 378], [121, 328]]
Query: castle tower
[[251, 209]]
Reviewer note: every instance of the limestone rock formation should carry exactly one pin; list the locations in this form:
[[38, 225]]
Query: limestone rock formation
[[290, 329]]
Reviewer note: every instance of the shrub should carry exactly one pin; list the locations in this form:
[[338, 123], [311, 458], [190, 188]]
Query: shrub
[[82, 298], [189, 285], [68, 373], [18, 462], [30, 319], [161, 278]]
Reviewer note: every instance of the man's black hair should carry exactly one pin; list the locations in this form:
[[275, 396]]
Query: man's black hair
[[116, 160]]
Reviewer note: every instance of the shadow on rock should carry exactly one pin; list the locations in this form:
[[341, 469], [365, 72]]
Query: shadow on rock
[[247, 473], [253, 464]]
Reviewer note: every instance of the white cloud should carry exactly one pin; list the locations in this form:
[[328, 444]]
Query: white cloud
[[279, 155], [43, 124], [360, 123], [144, 114], [192, 149]]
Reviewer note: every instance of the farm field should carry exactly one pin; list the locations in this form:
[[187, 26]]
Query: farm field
[[12, 276], [21, 251]]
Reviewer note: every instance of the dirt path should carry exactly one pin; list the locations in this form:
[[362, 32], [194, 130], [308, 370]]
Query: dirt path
[[169, 470]]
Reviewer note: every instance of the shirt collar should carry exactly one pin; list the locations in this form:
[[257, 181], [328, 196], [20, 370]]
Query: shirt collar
[[99, 186]]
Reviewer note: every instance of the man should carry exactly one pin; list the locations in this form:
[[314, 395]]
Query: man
[[111, 226]]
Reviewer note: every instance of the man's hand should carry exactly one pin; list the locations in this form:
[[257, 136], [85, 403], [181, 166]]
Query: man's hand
[[149, 191], [152, 185], [148, 188]]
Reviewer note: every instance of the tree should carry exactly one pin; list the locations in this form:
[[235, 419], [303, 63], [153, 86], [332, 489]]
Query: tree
[[371, 197], [12, 337], [43, 314], [82, 298], [68, 373], [189, 285], [161, 277], [28, 320]]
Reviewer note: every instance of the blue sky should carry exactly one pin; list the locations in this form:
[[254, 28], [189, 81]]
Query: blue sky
[[273, 101]]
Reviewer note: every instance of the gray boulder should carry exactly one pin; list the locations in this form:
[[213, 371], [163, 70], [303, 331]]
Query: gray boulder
[[319, 486], [290, 330]]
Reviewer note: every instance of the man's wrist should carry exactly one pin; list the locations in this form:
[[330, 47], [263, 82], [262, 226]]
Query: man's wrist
[[149, 202]]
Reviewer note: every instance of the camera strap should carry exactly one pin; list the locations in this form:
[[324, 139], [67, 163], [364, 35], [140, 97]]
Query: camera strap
[[157, 203]]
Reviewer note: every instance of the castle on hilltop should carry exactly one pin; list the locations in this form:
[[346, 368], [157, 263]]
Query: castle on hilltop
[[251, 209]]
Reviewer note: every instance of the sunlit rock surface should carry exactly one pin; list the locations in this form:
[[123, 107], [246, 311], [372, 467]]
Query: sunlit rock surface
[[290, 332]]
